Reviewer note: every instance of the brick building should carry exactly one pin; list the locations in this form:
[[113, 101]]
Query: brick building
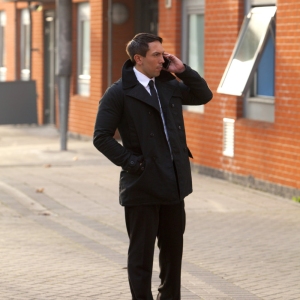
[[249, 133]]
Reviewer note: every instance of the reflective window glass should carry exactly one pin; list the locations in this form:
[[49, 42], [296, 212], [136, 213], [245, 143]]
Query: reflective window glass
[[196, 43], [193, 42], [83, 48], [2, 46], [196, 49], [25, 44], [265, 78]]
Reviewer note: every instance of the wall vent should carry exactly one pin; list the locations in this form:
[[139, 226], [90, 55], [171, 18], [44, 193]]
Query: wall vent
[[228, 137]]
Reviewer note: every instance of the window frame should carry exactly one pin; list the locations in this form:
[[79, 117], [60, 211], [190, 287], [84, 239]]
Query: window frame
[[242, 91], [263, 2]]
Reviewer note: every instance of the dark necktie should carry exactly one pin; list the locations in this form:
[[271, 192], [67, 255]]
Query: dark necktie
[[153, 91]]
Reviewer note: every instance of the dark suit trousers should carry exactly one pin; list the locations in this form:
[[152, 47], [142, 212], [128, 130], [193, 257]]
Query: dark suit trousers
[[144, 223]]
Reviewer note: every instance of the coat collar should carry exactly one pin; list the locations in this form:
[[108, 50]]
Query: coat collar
[[129, 79], [133, 88]]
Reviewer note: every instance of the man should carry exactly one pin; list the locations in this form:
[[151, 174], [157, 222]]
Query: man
[[145, 105]]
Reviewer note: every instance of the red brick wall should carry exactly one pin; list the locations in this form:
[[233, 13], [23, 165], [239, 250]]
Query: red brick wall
[[169, 26], [204, 131], [288, 92], [83, 109], [10, 41], [266, 151], [271, 151], [38, 61]]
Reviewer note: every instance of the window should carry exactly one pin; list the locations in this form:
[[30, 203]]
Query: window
[[247, 53], [25, 54], [2, 46], [193, 40], [84, 53], [251, 68]]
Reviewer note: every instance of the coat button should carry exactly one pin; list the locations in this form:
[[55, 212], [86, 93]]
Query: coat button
[[179, 127], [152, 134], [132, 162], [173, 105]]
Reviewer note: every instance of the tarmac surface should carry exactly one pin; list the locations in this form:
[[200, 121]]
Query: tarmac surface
[[63, 235]]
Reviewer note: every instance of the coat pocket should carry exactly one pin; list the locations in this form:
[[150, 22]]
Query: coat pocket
[[156, 183]]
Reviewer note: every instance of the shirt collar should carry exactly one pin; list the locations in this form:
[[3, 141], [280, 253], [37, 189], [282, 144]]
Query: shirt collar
[[142, 78]]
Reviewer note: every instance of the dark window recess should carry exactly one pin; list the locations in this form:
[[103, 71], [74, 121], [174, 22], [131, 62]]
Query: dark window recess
[[146, 16]]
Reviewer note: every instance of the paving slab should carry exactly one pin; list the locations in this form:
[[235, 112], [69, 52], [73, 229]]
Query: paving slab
[[63, 235]]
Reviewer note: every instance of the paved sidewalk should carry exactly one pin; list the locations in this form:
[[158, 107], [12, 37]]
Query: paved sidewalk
[[62, 231]]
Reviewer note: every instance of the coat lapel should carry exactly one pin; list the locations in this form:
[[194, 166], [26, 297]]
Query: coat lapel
[[134, 89], [140, 93], [164, 92]]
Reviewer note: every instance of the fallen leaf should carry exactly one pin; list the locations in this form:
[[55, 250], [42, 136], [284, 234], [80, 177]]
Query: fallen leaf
[[44, 214]]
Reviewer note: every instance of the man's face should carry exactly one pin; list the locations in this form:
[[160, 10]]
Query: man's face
[[151, 64]]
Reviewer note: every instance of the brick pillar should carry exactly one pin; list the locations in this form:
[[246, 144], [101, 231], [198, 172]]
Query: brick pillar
[[169, 26], [10, 41]]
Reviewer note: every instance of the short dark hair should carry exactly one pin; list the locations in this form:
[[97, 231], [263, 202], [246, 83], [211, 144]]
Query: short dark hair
[[139, 44]]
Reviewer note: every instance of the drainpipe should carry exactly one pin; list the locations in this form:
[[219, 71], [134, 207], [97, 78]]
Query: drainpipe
[[109, 43], [16, 43]]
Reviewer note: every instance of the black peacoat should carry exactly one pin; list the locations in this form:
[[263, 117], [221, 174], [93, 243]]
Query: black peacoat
[[128, 107]]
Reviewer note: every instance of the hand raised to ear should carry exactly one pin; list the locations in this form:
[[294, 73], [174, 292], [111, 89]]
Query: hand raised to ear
[[176, 65]]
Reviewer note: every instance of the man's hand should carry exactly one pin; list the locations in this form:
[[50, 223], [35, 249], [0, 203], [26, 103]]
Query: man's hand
[[176, 65]]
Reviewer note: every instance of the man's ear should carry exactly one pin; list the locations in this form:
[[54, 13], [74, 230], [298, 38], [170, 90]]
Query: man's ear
[[138, 59]]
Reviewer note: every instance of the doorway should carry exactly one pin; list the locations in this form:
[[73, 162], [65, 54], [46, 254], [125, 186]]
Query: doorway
[[146, 16]]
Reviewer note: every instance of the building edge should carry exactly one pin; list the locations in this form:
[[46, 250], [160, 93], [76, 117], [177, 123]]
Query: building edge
[[247, 181]]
